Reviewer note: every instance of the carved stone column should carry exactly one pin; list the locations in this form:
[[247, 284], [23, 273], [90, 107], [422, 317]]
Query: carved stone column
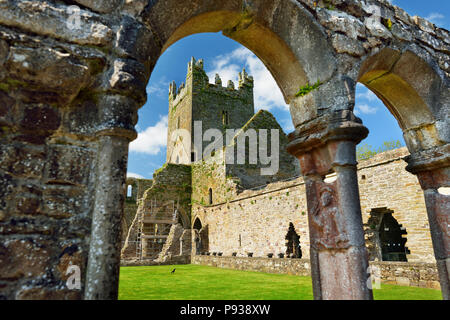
[[116, 130], [433, 172], [339, 259]]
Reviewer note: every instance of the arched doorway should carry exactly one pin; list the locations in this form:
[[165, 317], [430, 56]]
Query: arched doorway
[[293, 248], [201, 240]]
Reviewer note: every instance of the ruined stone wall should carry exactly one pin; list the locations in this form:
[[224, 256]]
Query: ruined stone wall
[[257, 221], [383, 182], [139, 186], [227, 180], [252, 175], [170, 183], [424, 275], [210, 173]]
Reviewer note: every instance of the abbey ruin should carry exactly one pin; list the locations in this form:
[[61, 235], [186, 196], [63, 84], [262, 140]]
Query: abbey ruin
[[196, 208], [73, 75]]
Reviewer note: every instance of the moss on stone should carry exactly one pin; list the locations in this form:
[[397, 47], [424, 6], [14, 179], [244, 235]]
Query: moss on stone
[[303, 91]]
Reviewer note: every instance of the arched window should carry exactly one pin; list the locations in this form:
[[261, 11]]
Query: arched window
[[225, 118], [197, 224]]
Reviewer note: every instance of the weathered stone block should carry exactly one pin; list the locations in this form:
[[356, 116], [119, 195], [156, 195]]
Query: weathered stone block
[[343, 44], [37, 118], [23, 258], [128, 77], [22, 160], [57, 21], [48, 69], [103, 6], [117, 112], [68, 165], [62, 201], [340, 21], [28, 200], [41, 293], [135, 40]]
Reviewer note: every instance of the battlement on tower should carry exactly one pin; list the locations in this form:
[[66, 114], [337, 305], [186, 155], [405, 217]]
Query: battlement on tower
[[197, 79]]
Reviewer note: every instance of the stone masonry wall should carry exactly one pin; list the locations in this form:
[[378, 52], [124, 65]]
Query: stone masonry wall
[[423, 275], [384, 182], [257, 221]]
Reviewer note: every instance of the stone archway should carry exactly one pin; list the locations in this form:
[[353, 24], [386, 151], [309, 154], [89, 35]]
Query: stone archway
[[200, 237], [70, 94]]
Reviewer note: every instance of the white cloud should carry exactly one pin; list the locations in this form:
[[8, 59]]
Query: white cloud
[[365, 109], [151, 140], [159, 88], [287, 125], [435, 17], [368, 95], [266, 92], [134, 175]]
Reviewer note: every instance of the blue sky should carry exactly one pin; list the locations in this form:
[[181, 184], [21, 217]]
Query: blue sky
[[227, 57]]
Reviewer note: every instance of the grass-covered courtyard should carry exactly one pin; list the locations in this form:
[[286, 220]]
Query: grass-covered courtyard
[[193, 282]]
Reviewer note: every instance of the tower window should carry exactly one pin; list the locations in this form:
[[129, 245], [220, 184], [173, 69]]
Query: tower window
[[130, 191], [225, 118], [192, 156], [210, 196]]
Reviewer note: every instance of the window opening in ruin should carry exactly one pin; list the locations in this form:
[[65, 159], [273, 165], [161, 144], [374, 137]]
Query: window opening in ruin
[[385, 239], [293, 248], [210, 196], [392, 240], [225, 118], [129, 191], [197, 224], [192, 156]]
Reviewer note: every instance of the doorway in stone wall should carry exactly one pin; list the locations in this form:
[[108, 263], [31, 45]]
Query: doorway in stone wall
[[293, 248], [201, 237], [385, 237]]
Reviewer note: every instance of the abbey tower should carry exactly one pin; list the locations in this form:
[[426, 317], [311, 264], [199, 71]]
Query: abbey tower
[[215, 105]]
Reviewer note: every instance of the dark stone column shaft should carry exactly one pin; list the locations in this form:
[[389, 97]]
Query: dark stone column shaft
[[438, 209], [102, 280], [339, 259]]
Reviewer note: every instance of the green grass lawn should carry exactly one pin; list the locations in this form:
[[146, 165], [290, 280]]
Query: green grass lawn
[[193, 282]]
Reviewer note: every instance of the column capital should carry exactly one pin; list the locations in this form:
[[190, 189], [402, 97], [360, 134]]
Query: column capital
[[327, 142], [117, 116], [429, 160], [341, 125]]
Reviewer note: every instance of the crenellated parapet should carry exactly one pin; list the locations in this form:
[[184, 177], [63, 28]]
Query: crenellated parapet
[[197, 80]]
